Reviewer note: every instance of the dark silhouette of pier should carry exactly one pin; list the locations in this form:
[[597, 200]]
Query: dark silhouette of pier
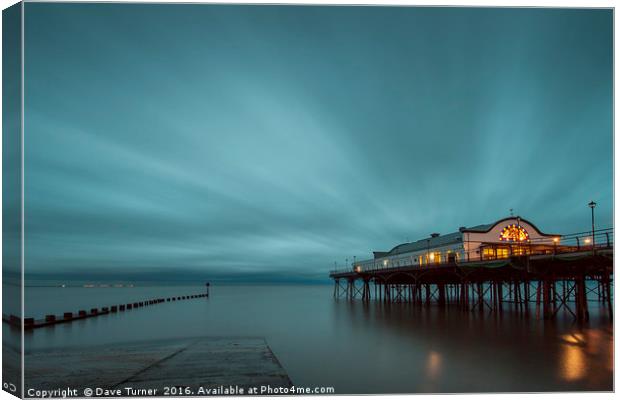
[[550, 278]]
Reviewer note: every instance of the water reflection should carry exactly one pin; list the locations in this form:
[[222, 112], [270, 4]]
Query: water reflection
[[460, 351], [579, 347], [433, 365], [573, 363], [368, 348]]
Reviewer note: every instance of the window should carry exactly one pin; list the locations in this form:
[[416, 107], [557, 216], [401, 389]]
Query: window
[[503, 252], [488, 253], [519, 251]]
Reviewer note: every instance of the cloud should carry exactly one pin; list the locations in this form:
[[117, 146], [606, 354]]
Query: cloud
[[266, 142]]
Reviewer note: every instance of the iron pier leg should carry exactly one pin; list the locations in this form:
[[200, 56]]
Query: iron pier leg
[[608, 295]]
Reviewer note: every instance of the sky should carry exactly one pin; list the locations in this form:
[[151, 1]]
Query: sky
[[268, 142]]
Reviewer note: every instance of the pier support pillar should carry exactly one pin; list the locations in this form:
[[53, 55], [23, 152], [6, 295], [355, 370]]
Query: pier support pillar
[[441, 290], [366, 290], [607, 291], [480, 297], [546, 299]]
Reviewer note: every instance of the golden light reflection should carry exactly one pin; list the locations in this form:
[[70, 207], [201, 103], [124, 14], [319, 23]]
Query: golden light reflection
[[433, 364], [573, 360], [609, 351], [573, 338]]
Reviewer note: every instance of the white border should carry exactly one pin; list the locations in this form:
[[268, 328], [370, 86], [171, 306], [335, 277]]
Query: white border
[[475, 3]]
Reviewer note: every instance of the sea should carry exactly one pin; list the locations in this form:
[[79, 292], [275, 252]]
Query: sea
[[352, 346]]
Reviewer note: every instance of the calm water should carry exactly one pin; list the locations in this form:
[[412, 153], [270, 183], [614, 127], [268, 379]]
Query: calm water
[[353, 347]]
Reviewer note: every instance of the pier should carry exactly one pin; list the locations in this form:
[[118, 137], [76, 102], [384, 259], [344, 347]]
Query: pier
[[534, 278]]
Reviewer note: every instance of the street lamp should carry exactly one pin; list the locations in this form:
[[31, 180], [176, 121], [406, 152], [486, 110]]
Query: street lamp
[[592, 204]]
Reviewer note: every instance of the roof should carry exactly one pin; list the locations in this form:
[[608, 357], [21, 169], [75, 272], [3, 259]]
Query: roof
[[486, 228], [478, 228], [430, 242]]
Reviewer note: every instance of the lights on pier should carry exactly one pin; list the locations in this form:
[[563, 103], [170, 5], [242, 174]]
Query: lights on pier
[[514, 233], [588, 240]]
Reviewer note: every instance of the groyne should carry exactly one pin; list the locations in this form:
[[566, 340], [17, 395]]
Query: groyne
[[69, 316]]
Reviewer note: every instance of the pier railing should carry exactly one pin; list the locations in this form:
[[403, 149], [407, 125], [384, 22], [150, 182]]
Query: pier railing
[[601, 239]]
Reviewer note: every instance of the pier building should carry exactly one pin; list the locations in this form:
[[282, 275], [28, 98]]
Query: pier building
[[490, 267], [512, 236]]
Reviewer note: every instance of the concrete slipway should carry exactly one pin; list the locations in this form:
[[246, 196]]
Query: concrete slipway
[[208, 362]]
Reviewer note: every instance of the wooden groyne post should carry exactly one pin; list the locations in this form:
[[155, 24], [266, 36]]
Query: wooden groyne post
[[52, 319]]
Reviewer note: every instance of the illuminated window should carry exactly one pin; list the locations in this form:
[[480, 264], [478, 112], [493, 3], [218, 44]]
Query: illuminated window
[[435, 257], [519, 251], [488, 253], [503, 252], [514, 233], [430, 258]]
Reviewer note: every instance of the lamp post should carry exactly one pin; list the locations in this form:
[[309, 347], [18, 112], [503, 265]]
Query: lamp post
[[592, 204]]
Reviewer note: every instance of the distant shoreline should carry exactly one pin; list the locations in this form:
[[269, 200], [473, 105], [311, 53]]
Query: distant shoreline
[[161, 284]]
